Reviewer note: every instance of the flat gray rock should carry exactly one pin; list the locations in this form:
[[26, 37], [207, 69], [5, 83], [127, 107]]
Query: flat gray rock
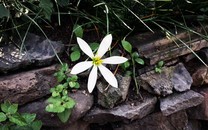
[[200, 112], [36, 50], [157, 121], [193, 125], [111, 96], [175, 77], [125, 111], [180, 78], [180, 101], [84, 102], [27, 86], [156, 46]]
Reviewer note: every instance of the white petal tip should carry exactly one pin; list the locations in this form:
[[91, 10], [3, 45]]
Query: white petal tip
[[115, 85]]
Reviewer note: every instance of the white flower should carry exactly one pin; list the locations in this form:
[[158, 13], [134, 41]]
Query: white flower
[[97, 63]]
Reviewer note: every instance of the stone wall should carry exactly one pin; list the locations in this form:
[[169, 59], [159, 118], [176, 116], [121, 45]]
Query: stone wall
[[175, 99]]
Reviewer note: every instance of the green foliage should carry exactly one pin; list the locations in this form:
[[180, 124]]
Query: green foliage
[[94, 46], [77, 29], [47, 8], [127, 46], [3, 11], [75, 55], [158, 67], [63, 2], [12, 120], [134, 59], [60, 102]]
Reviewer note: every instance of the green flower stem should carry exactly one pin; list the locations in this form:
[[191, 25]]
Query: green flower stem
[[134, 77]]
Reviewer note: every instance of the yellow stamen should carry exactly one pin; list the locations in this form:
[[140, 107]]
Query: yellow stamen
[[97, 61]]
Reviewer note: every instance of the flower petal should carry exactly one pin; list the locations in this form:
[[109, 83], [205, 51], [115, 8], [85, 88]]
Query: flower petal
[[92, 79], [85, 47], [108, 75], [81, 66], [104, 45], [114, 60]]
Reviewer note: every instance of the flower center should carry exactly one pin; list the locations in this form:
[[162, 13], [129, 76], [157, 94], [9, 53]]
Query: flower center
[[97, 61]]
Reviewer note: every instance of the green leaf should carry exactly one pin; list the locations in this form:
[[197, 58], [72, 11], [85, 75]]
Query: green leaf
[[55, 108], [17, 119], [64, 67], [47, 7], [70, 104], [125, 65], [54, 100], [2, 117], [128, 73], [63, 2], [65, 92], [60, 76], [139, 61], [64, 116], [59, 88], [3, 11], [5, 106], [13, 108], [135, 55], [55, 94], [94, 46], [4, 127], [127, 46], [29, 118], [77, 86], [36, 125], [158, 70], [75, 48], [160, 64], [72, 84], [74, 78], [77, 29], [75, 55]]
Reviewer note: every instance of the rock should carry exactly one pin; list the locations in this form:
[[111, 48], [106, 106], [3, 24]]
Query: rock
[[157, 121], [201, 111], [203, 53], [180, 101], [78, 125], [156, 46], [108, 98], [200, 76], [176, 77], [181, 79], [27, 86], [156, 83], [36, 50], [125, 111], [193, 125], [84, 102]]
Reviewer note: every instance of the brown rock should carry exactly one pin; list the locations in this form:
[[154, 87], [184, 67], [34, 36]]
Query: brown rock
[[156, 46], [200, 76], [193, 125], [78, 125], [201, 111], [110, 97], [180, 101], [156, 121], [27, 86], [176, 77], [126, 111], [84, 102]]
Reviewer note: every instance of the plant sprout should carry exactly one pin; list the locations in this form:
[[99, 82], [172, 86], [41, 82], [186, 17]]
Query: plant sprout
[[98, 63]]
